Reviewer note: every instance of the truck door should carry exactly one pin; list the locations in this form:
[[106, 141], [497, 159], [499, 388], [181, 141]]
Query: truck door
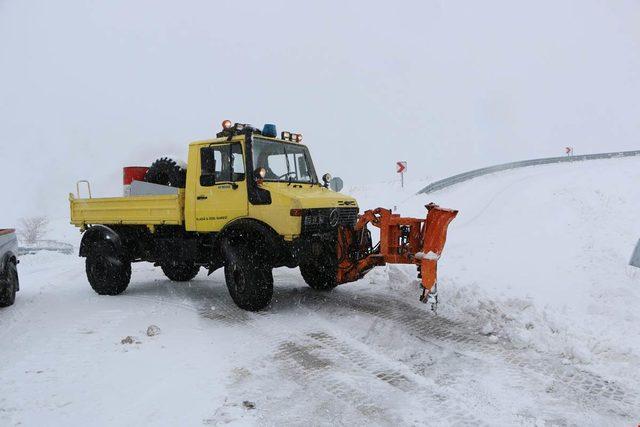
[[221, 193]]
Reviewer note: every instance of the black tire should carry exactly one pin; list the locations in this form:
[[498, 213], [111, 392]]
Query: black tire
[[180, 271], [9, 285], [320, 277], [165, 171], [250, 282], [108, 274]]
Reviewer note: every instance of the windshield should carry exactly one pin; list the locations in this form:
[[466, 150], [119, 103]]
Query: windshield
[[283, 161]]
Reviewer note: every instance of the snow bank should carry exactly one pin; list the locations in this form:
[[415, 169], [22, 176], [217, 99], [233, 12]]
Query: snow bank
[[538, 257]]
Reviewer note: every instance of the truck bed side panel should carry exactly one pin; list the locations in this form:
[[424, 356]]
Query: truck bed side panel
[[143, 210]]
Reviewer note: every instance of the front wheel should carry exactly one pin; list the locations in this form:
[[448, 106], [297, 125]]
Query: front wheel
[[10, 286], [108, 274], [180, 271], [250, 282], [320, 277]]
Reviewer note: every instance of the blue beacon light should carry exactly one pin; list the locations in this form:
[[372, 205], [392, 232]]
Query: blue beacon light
[[269, 130]]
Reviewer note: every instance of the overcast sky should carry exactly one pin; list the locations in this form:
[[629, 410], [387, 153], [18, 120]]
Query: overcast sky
[[89, 87]]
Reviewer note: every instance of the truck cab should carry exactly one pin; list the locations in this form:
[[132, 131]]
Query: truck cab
[[270, 180]]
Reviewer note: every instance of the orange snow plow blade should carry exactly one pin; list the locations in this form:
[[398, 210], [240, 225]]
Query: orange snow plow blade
[[402, 241], [435, 235]]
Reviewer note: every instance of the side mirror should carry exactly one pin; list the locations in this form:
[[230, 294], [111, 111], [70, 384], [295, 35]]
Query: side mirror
[[207, 167], [336, 184]]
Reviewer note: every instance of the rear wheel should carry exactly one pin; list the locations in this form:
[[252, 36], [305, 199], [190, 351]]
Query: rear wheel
[[250, 282], [180, 271], [108, 274], [10, 286]]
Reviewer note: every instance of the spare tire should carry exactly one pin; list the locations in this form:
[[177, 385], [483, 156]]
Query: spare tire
[[166, 171]]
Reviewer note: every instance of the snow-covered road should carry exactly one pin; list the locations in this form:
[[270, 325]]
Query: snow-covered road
[[366, 354]]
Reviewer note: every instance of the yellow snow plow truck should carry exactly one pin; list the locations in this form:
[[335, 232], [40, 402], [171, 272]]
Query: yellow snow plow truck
[[249, 201]]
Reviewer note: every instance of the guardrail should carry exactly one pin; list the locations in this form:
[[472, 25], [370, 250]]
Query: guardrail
[[466, 176]]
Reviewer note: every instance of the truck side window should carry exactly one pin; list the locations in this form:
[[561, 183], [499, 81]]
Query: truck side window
[[225, 156], [207, 167]]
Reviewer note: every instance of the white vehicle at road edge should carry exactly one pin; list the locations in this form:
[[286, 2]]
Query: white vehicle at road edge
[[9, 283]]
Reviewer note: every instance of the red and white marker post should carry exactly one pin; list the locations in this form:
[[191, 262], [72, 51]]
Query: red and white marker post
[[400, 168]]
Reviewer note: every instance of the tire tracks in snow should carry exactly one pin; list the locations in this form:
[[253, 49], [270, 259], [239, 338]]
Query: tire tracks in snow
[[446, 408], [587, 387], [301, 358], [314, 358], [296, 347], [293, 351], [323, 357], [308, 362]]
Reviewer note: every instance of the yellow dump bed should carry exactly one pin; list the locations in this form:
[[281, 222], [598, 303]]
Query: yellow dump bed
[[144, 210]]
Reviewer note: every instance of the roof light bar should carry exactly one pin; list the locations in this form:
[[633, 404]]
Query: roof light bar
[[293, 137], [230, 129]]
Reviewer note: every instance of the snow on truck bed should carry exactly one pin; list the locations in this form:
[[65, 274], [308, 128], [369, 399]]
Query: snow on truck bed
[[538, 325]]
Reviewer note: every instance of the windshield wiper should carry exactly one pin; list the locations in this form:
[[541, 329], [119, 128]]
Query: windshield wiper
[[286, 157]]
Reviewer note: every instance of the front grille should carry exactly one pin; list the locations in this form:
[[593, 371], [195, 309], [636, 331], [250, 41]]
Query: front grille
[[319, 220]]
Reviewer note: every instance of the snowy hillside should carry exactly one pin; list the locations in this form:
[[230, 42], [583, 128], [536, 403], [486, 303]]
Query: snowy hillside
[[537, 325], [551, 242]]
